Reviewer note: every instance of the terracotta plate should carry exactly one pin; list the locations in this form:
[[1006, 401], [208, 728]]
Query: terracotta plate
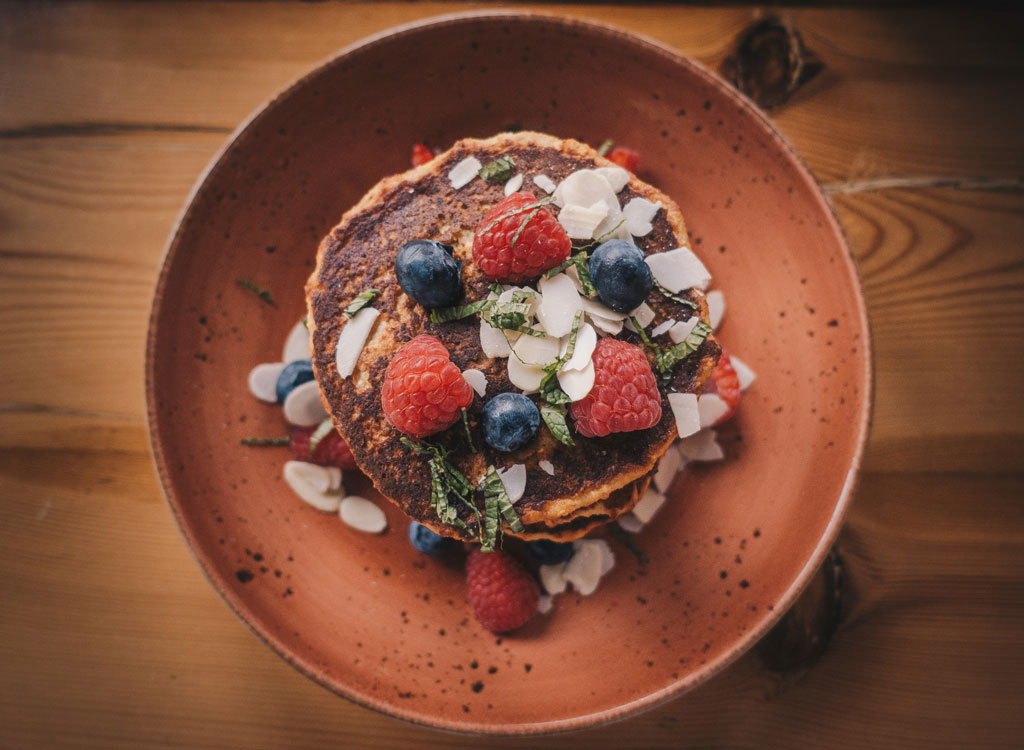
[[368, 617]]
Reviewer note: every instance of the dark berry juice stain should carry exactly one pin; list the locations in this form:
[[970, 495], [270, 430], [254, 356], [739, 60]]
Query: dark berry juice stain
[[244, 575]]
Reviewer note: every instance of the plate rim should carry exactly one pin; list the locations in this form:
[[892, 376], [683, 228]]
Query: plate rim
[[623, 710]]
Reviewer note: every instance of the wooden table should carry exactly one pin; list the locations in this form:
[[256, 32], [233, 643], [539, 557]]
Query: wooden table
[[111, 637]]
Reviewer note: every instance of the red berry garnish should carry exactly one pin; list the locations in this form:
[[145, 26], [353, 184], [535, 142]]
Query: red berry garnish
[[519, 240], [625, 395], [625, 157], [502, 594], [424, 390], [332, 450], [725, 383], [421, 154]]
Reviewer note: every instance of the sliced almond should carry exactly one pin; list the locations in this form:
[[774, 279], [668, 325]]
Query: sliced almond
[[463, 173], [477, 381], [662, 328], [599, 309], [609, 327], [584, 568], [524, 377], [263, 381], [545, 183], [667, 469], [363, 515], [545, 604], [352, 339], [743, 372], [630, 523], [514, 183], [493, 342], [644, 316], [514, 479], [559, 303], [547, 467], [702, 447], [639, 214], [649, 504], [681, 330], [583, 350], [539, 351], [577, 383], [580, 222], [313, 483], [296, 346], [684, 409], [552, 578], [678, 269], [617, 177], [302, 407], [585, 187]]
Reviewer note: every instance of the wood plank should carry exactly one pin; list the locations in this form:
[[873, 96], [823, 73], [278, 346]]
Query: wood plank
[[142, 652]]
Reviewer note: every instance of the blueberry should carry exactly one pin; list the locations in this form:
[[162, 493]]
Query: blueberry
[[510, 421], [293, 375], [621, 276], [425, 540], [428, 273], [547, 552]]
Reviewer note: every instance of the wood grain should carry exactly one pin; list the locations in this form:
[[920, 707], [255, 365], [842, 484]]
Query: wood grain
[[110, 636]]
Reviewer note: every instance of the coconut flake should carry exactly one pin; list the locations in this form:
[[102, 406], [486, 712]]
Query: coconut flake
[[580, 222], [667, 469], [743, 372], [363, 515], [545, 604], [716, 308], [610, 327], [477, 380], [585, 187], [514, 183], [545, 183], [584, 568], [684, 409], [463, 173], [538, 351], [639, 214], [577, 383], [649, 504], [302, 407], [702, 447], [263, 381], [493, 342], [514, 479], [312, 483], [296, 345], [524, 377], [630, 523], [552, 578], [711, 408], [352, 339], [547, 467], [644, 316], [678, 269], [583, 350], [559, 303], [662, 328], [681, 330], [617, 177]]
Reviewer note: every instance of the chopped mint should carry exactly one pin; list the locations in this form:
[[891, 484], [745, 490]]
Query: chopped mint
[[674, 297], [259, 291], [605, 147], [554, 418], [361, 301], [669, 358], [266, 441], [498, 170], [319, 434], [448, 314]]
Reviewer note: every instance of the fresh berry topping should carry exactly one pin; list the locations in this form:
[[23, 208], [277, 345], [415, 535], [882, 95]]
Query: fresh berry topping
[[519, 240], [725, 383], [546, 552], [502, 594], [625, 157], [421, 154], [510, 421], [423, 389], [620, 275], [332, 450], [625, 395], [292, 376], [425, 540], [428, 273]]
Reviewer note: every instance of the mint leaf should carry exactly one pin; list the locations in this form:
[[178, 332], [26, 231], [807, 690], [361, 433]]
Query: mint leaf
[[554, 418], [605, 147], [669, 358], [361, 301], [469, 436], [262, 441], [630, 543], [513, 212], [259, 291], [447, 484], [498, 170], [675, 298], [448, 314]]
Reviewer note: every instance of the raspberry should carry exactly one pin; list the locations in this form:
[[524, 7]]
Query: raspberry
[[502, 594], [522, 245], [625, 157], [423, 389], [421, 154], [625, 395], [332, 450], [726, 384]]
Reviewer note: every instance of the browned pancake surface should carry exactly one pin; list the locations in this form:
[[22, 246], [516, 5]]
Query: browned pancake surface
[[359, 254]]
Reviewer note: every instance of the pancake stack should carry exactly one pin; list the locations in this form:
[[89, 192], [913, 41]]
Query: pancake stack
[[570, 490]]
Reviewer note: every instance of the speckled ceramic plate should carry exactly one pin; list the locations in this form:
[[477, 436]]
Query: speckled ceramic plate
[[368, 617]]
